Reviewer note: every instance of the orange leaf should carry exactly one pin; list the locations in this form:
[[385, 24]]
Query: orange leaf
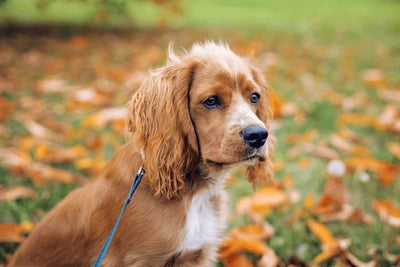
[[79, 43], [394, 148], [374, 78], [309, 201], [238, 260], [388, 212], [14, 232], [358, 119], [16, 193], [321, 232], [303, 163], [249, 232], [323, 256], [267, 198], [6, 108], [230, 247], [269, 259], [369, 164]]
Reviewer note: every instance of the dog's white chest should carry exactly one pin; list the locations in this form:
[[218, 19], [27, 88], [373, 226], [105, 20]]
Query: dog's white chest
[[202, 223]]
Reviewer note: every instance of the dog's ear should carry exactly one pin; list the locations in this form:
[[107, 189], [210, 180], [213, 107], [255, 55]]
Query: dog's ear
[[160, 123], [262, 172]]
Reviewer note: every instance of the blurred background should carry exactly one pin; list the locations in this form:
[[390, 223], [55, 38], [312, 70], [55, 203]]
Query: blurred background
[[68, 67]]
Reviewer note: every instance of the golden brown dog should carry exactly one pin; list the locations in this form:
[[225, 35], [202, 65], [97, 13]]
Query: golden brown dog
[[195, 119]]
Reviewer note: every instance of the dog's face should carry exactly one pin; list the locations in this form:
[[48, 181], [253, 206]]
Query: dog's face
[[225, 101], [208, 107]]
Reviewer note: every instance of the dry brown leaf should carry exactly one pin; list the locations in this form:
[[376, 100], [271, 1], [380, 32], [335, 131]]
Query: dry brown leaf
[[374, 78], [269, 259], [79, 42], [230, 247], [356, 262], [267, 198], [303, 163], [369, 164], [249, 232], [14, 232], [87, 97], [6, 107], [107, 115], [308, 202], [387, 211], [50, 86], [394, 148], [347, 213], [17, 192], [359, 119], [321, 232], [50, 153], [324, 256], [19, 161], [320, 151], [238, 260], [37, 130]]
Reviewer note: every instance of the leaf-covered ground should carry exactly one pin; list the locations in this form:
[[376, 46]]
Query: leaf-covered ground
[[337, 124]]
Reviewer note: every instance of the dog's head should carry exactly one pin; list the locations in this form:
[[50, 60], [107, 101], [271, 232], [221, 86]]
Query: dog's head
[[208, 106]]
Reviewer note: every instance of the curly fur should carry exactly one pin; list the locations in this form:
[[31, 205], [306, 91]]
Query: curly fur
[[178, 213]]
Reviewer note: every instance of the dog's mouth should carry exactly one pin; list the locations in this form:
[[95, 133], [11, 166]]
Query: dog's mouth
[[249, 160]]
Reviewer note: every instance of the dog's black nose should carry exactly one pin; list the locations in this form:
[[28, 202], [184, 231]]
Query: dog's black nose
[[255, 136]]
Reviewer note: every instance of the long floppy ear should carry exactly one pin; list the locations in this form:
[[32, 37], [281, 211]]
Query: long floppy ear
[[160, 123], [262, 172]]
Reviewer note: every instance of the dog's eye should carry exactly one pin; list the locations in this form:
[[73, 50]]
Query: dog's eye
[[212, 102], [254, 98]]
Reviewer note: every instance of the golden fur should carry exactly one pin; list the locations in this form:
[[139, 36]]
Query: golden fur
[[187, 149]]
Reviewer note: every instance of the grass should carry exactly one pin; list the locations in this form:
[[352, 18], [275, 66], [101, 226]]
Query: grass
[[322, 48]]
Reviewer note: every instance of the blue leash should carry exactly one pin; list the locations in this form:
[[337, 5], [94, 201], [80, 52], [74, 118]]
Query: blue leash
[[135, 184]]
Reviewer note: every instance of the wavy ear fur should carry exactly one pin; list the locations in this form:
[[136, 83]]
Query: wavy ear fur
[[262, 172], [160, 122]]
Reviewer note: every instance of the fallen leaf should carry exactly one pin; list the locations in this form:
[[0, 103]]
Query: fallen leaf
[[79, 42], [394, 148], [303, 163], [230, 247], [20, 162], [249, 232], [17, 192], [14, 232], [320, 151], [104, 116], [238, 260], [321, 232], [308, 202], [374, 78], [359, 119], [324, 256], [50, 86], [388, 212], [50, 153], [269, 259], [267, 198], [6, 107], [369, 164]]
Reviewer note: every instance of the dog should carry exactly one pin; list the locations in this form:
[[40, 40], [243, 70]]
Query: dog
[[191, 122]]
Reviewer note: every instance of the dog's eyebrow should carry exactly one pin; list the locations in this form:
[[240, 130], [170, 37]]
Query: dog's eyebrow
[[225, 78], [244, 84]]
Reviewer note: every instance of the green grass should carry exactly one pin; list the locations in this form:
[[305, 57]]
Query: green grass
[[321, 46]]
